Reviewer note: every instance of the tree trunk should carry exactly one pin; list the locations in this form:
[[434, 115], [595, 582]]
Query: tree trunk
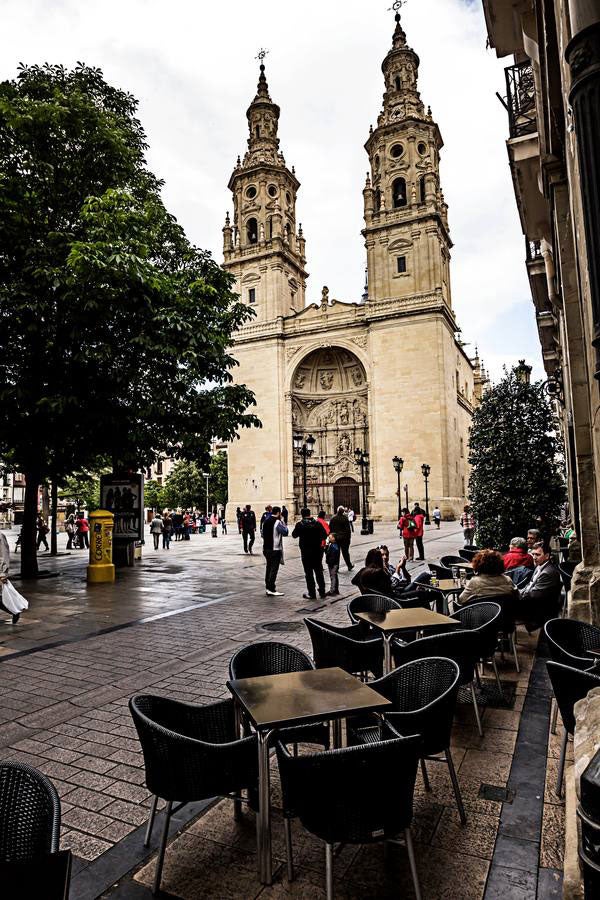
[[29, 566], [54, 515]]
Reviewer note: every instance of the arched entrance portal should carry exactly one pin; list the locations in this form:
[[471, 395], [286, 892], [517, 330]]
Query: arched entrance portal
[[345, 493], [329, 401]]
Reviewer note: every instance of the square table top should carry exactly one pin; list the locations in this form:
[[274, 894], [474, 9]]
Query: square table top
[[448, 584], [293, 698], [406, 619]]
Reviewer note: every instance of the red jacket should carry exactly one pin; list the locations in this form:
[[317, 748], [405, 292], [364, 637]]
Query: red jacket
[[419, 522], [327, 530], [516, 556], [406, 531]]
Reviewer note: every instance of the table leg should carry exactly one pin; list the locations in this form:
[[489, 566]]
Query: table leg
[[387, 654], [263, 820], [336, 733]]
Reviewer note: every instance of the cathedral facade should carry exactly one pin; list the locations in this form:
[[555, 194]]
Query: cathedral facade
[[385, 375]]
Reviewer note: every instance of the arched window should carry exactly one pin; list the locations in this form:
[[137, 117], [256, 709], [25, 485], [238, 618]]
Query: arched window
[[252, 231], [398, 83], [257, 131], [377, 199], [399, 193], [288, 232], [422, 189], [269, 228]]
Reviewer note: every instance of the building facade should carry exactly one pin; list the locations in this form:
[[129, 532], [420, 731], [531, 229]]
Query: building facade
[[387, 374], [553, 104]]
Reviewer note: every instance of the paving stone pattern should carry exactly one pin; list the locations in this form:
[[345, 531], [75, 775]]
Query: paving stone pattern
[[176, 620]]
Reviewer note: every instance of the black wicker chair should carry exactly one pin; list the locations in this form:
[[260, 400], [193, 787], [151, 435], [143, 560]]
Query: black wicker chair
[[190, 753], [484, 619], [352, 648], [336, 798], [440, 571], [566, 569], [569, 640], [370, 603], [460, 646], [424, 696], [275, 658], [29, 814], [569, 686], [468, 553], [452, 560]]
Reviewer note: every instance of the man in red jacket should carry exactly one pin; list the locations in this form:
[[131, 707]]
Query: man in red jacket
[[418, 515]]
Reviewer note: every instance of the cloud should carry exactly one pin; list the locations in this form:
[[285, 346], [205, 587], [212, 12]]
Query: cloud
[[193, 69]]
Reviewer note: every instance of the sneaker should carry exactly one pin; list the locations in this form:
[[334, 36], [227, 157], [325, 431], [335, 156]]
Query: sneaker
[[274, 594], [308, 597]]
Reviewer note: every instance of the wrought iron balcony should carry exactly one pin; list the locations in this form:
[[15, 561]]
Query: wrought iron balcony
[[520, 97]]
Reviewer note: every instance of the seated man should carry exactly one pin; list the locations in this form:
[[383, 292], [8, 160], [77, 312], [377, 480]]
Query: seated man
[[540, 599]]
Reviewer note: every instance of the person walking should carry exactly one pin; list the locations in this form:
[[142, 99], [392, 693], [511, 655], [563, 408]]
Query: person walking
[[341, 527], [408, 527], [274, 530], [248, 528], [187, 525], [83, 529], [332, 558], [311, 534], [42, 531], [284, 514], [467, 523], [156, 529], [223, 523], [70, 530], [238, 518], [167, 529], [351, 517], [214, 524], [4, 573], [437, 517], [418, 515]]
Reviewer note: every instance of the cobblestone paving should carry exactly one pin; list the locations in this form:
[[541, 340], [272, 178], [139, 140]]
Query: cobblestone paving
[[178, 618]]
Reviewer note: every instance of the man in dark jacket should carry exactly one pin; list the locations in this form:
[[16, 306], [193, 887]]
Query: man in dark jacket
[[311, 535], [274, 530], [540, 598], [248, 520], [340, 526]]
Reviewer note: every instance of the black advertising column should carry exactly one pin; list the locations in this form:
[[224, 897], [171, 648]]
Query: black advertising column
[[583, 56]]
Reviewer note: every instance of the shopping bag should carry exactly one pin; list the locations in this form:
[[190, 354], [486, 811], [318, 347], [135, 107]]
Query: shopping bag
[[12, 600]]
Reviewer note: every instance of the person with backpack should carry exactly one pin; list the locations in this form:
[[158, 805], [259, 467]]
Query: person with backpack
[[408, 527], [42, 531]]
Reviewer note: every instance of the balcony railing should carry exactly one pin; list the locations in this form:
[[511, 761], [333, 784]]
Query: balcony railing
[[533, 250], [520, 97]]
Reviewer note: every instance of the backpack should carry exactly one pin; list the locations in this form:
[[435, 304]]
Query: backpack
[[411, 524]]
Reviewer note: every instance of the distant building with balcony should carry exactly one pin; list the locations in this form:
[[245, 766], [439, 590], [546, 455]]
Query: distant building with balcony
[[553, 104]]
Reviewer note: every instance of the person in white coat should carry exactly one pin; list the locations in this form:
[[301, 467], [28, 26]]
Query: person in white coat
[[4, 571]]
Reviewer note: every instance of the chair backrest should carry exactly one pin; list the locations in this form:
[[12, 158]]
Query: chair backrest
[[29, 813], [484, 619], [449, 561], [424, 695], [191, 751], [268, 658], [370, 603], [459, 645], [440, 571], [566, 574], [334, 795], [568, 640], [508, 604], [343, 647], [569, 686], [468, 553]]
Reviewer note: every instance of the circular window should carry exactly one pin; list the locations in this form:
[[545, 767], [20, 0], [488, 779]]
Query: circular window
[[288, 197], [422, 148], [272, 189], [397, 151], [251, 192]]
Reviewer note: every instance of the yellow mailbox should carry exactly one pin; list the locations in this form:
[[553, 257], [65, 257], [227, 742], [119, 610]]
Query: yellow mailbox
[[101, 567]]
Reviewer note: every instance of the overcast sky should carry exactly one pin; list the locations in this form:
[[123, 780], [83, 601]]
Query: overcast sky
[[192, 67]]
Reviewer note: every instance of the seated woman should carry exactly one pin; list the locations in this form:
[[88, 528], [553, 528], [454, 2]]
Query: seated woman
[[489, 580], [517, 555], [374, 578]]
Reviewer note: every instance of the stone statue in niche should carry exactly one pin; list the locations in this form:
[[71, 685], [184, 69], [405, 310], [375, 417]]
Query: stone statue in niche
[[357, 377], [326, 380], [344, 445], [344, 413], [299, 381]]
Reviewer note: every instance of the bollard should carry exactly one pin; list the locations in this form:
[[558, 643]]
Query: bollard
[[588, 813], [101, 568]]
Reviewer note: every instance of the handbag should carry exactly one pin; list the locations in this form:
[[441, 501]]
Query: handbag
[[12, 600]]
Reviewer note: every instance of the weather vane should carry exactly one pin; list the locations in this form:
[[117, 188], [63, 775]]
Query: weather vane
[[262, 52], [397, 6]]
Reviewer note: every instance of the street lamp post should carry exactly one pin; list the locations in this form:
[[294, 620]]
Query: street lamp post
[[425, 469], [362, 459], [304, 447], [398, 463], [207, 476]]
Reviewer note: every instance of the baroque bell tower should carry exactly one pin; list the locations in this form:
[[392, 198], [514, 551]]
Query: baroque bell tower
[[406, 218], [262, 246]]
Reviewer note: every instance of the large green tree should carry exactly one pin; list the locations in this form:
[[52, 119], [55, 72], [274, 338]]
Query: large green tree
[[518, 464], [114, 329], [185, 487]]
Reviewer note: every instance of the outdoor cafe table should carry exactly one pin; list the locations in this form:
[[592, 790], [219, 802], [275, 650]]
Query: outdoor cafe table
[[395, 621], [297, 698]]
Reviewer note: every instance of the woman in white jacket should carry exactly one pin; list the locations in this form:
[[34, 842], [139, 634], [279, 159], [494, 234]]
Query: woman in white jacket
[[4, 570]]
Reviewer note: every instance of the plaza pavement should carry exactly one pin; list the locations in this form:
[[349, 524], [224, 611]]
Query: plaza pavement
[[169, 625]]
